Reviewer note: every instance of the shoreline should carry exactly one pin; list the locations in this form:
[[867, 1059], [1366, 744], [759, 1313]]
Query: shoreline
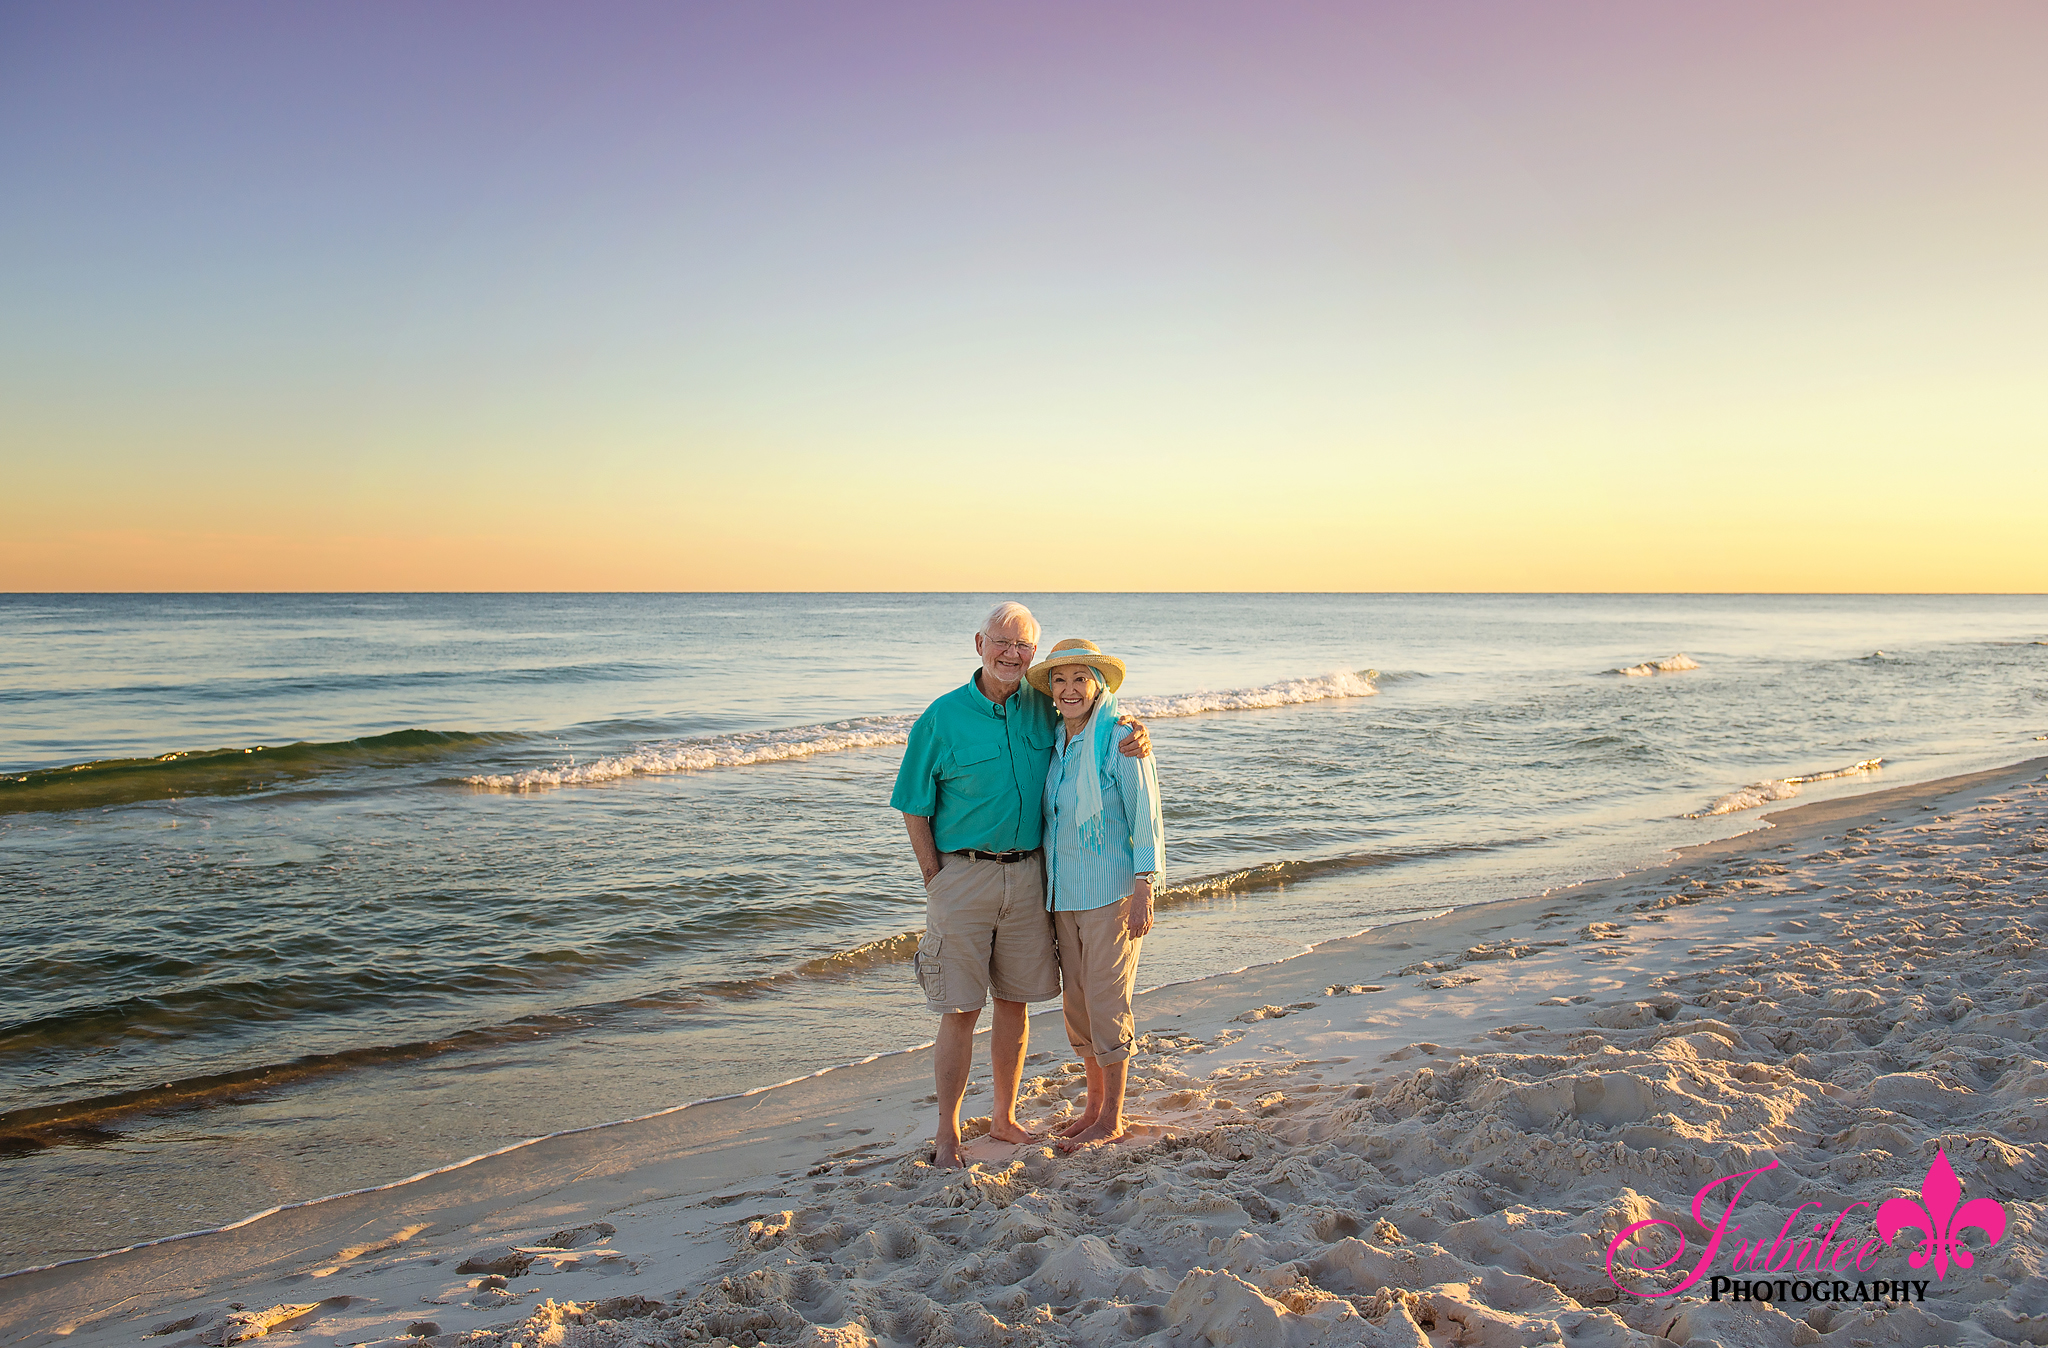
[[781, 1135], [95, 1109]]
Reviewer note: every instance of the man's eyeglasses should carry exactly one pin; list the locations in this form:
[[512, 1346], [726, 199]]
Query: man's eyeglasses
[[1019, 647]]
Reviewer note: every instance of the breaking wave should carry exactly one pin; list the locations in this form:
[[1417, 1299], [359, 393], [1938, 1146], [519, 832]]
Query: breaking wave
[[865, 732], [222, 772], [1671, 665], [713, 751], [1286, 693], [1276, 874], [1763, 793], [899, 949]]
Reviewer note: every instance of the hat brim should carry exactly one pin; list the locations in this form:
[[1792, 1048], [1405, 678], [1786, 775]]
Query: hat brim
[[1040, 674]]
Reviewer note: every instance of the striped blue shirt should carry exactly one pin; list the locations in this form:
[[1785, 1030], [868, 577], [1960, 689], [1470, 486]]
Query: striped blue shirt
[[1077, 879]]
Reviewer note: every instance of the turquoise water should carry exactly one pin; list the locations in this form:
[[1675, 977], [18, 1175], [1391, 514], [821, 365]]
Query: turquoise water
[[310, 892]]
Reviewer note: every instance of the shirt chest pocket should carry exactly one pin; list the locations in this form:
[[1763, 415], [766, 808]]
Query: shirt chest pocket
[[972, 760]]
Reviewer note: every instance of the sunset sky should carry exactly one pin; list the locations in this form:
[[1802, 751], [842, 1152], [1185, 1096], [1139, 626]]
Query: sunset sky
[[975, 296]]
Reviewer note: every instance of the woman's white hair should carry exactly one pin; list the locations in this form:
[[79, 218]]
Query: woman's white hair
[[1005, 613]]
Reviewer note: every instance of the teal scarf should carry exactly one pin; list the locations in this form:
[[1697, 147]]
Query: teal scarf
[[1101, 733]]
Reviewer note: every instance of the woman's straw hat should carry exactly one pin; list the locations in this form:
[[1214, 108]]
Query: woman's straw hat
[[1076, 651]]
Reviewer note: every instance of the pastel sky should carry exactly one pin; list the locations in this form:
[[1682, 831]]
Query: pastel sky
[[1442, 295]]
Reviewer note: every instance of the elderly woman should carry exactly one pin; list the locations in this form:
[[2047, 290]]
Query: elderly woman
[[1102, 841]]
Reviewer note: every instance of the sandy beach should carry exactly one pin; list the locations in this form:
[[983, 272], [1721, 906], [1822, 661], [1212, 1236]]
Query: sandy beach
[[1431, 1133]]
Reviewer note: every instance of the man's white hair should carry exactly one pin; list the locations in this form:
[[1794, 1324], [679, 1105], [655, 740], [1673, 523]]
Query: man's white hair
[[1005, 613]]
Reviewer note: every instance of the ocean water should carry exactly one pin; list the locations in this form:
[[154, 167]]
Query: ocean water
[[305, 893]]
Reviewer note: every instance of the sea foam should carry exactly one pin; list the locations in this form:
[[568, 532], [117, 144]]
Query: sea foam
[[1784, 788], [1673, 665], [714, 751], [1287, 692], [865, 732]]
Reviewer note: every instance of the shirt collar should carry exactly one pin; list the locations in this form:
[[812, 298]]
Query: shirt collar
[[989, 705]]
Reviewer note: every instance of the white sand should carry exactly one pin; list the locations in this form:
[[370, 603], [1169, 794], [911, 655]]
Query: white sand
[[1423, 1135]]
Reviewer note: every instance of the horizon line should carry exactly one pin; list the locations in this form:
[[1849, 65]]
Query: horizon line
[[1871, 594]]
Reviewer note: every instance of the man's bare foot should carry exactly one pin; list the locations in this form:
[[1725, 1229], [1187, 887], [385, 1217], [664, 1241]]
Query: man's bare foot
[[1011, 1132], [1079, 1126], [1094, 1135], [949, 1157]]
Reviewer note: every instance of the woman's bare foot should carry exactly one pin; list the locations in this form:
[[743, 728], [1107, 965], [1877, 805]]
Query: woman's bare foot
[[1080, 1125], [1094, 1135], [1012, 1132], [948, 1156]]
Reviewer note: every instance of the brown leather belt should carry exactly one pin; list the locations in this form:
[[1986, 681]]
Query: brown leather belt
[[1007, 858]]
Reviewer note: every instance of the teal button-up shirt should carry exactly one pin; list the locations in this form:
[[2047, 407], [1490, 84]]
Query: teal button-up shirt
[[976, 769], [1076, 878]]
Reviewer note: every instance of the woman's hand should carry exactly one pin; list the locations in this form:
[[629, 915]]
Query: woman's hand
[[1138, 908]]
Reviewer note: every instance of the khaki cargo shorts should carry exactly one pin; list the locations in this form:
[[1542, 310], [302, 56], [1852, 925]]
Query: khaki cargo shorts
[[986, 931]]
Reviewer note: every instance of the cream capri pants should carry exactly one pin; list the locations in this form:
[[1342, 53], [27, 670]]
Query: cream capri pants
[[1098, 968]]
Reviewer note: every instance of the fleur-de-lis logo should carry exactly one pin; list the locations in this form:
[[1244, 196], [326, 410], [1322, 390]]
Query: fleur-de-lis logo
[[1940, 1218]]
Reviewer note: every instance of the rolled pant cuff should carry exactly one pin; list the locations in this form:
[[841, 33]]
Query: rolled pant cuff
[[1115, 1055]]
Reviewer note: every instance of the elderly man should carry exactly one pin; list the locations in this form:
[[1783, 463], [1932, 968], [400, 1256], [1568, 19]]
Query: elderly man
[[970, 789]]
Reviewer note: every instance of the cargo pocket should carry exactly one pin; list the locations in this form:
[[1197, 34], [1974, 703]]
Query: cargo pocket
[[931, 972]]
